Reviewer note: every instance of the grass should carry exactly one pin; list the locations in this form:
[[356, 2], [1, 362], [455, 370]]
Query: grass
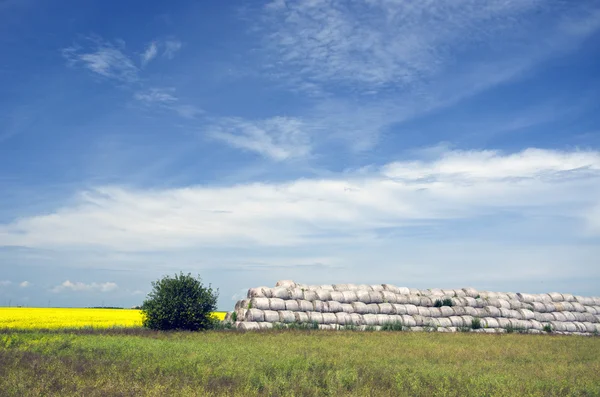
[[135, 361]]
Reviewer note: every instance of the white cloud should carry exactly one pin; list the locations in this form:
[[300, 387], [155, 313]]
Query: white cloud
[[278, 138], [5, 283], [25, 284], [346, 209], [171, 48], [105, 59], [82, 287], [156, 95], [150, 53]]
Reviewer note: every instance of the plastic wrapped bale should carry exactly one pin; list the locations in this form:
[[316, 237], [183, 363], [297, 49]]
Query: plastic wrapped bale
[[503, 296], [347, 308], [446, 311], [459, 293], [301, 317], [411, 309], [492, 311], [400, 309], [435, 292], [470, 311], [383, 319], [490, 322], [271, 316], [470, 292], [444, 322], [319, 306], [276, 304], [377, 287], [589, 317], [359, 307], [590, 327], [304, 306], [590, 309], [424, 311], [420, 320], [457, 321], [260, 303], [373, 308], [286, 316], [291, 305], [340, 287], [471, 302], [459, 310], [479, 302], [337, 296], [520, 324], [435, 312], [334, 306], [457, 302], [569, 316], [570, 327], [296, 293], [391, 288], [375, 297], [349, 296], [528, 298], [356, 319], [370, 319], [254, 315], [265, 326], [448, 292], [580, 327], [414, 300], [526, 314], [389, 297], [267, 292], [256, 292], [408, 321], [364, 287], [578, 307], [546, 317], [386, 308], [568, 306], [549, 307], [281, 293], [568, 298], [285, 284], [327, 287], [315, 317], [343, 318], [363, 296], [515, 305], [402, 299], [536, 325], [405, 291], [503, 322], [559, 316], [240, 314], [352, 287], [539, 307], [537, 316], [241, 304], [556, 297], [248, 326], [546, 298], [329, 318], [426, 301], [310, 296]]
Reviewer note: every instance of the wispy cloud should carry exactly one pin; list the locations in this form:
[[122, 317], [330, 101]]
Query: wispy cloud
[[103, 58], [83, 287], [150, 53], [157, 95], [24, 284], [5, 283], [456, 185], [278, 138], [171, 47]]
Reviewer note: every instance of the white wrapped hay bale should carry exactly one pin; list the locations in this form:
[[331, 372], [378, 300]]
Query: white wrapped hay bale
[[568, 298], [267, 292], [347, 308], [356, 319], [540, 316], [470, 292], [503, 322], [390, 288], [590, 327], [276, 304], [286, 316], [296, 293], [265, 326], [402, 299], [406, 291], [559, 316], [337, 296], [377, 287], [408, 321], [315, 317], [446, 311], [527, 298], [490, 322], [241, 304], [240, 314], [424, 311], [520, 324], [434, 312], [462, 301], [590, 317], [363, 296], [343, 318], [256, 292], [568, 306], [334, 306], [470, 311], [480, 303], [536, 325], [271, 316], [411, 309], [420, 320], [291, 305], [254, 315], [426, 301], [414, 300], [352, 287], [281, 293], [550, 307], [248, 326], [370, 319], [373, 308], [569, 316], [320, 306], [570, 327], [539, 307], [305, 306], [310, 295], [556, 297], [471, 302], [400, 309], [389, 297], [329, 318], [459, 310], [503, 296], [386, 308], [327, 287], [285, 284], [360, 307], [364, 287], [375, 297], [546, 298], [340, 287], [448, 292], [590, 309], [578, 307], [492, 311], [580, 326], [526, 314], [444, 322], [260, 303], [458, 321], [349, 296], [516, 305], [435, 292], [383, 319]]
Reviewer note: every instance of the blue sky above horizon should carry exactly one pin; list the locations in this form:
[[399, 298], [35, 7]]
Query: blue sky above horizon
[[426, 144]]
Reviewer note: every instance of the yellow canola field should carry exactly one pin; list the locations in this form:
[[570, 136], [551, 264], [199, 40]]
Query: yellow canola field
[[55, 318]]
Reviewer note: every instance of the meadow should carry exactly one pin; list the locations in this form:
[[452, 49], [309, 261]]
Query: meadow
[[135, 361]]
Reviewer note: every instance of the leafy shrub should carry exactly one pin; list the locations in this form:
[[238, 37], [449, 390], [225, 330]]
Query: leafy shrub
[[394, 326], [445, 302], [179, 303], [234, 317], [548, 328], [476, 323]]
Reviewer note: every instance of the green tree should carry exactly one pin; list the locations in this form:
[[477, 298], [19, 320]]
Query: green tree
[[179, 303]]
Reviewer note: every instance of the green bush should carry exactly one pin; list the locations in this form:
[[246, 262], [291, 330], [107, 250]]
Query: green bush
[[476, 323], [179, 303], [548, 328]]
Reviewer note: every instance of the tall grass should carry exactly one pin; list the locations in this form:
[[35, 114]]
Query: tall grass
[[296, 363]]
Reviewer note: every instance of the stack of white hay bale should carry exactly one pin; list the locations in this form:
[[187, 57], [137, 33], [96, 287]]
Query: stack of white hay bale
[[365, 307]]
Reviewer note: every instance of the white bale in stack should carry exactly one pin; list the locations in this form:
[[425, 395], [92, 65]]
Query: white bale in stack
[[285, 284], [436, 312], [389, 297], [315, 317], [569, 316], [337, 296], [334, 306], [568, 298], [375, 297], [360, 308], [301, 317], [256, 292], [265, 325], [286, 316], [424, 311], [276, 304], [356, 319], [291, 305], [559, 316], [363, 296], [391, 288], [248, 326], [349, 296], [271, 316], [323, 295], [383, 319], [490, 322], [340, 287], [260, 303], [370, 319], [446, 311], [373, 308], [406, 291], [386, 308], [377, 287], [408, 321], [347, 308], [296, 293], [255, 315], [305, 306], [329, 318], [526, 314], [492, 311], [281, 293], [310, 295], [457, 321], [343, 318], [470, 292]]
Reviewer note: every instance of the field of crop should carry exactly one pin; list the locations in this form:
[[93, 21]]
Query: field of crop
[[131, 362], [60, 318]]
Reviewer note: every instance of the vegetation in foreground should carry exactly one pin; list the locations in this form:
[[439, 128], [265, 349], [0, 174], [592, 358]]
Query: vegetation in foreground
[[131, 362]]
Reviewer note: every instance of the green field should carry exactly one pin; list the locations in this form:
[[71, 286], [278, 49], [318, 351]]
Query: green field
[[132, 362]]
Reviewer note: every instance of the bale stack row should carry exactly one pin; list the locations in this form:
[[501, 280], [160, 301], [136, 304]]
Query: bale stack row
[[375, 306]]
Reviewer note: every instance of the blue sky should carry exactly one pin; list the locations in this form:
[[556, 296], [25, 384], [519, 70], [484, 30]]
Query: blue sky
[[425, 144]]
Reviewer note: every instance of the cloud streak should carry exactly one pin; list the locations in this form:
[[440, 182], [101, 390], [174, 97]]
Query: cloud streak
[[83, 287]]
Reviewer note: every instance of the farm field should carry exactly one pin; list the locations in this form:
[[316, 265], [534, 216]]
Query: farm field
[[131, 362], [60, 318]]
